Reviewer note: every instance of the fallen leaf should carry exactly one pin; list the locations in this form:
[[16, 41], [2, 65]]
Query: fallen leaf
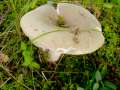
[[3, 58]]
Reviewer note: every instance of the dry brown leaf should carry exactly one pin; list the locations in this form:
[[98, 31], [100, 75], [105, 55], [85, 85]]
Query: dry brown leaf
[[3, 58]]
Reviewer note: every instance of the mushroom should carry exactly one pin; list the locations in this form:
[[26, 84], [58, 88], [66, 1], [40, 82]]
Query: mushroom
[[80, 34]]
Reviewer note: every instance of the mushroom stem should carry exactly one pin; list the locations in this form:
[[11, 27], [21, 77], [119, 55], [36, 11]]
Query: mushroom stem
[[54, 55]]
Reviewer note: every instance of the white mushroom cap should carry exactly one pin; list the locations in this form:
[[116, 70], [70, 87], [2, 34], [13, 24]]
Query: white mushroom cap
[[82, 36], [77, 16]]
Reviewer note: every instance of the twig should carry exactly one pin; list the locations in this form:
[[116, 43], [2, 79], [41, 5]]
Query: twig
[[60, 72], [5, 82], [57, 65], [44, 75], [33, 80], [59, 61]]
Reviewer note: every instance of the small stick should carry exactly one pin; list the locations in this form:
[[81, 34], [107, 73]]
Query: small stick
[[5, 82], [44, 76]]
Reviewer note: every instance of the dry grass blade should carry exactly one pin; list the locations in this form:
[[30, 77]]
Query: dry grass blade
[[5, 69], [5, 82]]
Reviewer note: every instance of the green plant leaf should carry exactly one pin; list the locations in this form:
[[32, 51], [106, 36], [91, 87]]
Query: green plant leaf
[[35, 65], [104, 70], [28, 59], [110, 85], [80, 88], [107, 5], [96, 86], [98, 76], [23, 46], [104, 88]]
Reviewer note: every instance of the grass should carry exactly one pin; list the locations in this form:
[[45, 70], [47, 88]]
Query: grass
[[97, 71]]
